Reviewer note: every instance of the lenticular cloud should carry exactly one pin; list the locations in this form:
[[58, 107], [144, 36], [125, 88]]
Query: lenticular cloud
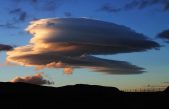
[[74, 42]]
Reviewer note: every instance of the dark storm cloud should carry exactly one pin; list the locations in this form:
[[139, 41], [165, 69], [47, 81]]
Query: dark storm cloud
[[4, 47], [164, 35], [37, 79], [135, 4], [70, 42]]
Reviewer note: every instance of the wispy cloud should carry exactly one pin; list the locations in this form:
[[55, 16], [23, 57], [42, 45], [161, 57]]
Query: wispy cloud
[[166, 82], [135, 4], [20, 14], [70, 42], [8, 26], [51, 5], [109, 8]]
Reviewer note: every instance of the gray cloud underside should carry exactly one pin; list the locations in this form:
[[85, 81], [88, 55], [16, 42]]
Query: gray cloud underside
[[91, 62]]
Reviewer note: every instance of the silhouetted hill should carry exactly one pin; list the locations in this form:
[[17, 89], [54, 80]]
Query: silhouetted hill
[[24, 95], [166, 90], [25, 89]]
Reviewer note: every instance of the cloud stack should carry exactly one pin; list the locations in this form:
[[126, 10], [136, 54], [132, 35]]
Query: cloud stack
[[75, 42]]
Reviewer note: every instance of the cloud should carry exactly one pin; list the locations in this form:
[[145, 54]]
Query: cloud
[[164, 35], [68, 70], [135, 4], [51, 5], [166, 7], [141, 4], [67, 14], [37, 79], [156, 86], [4, 47], [166, 82], [20, 14], [71, 43], [15, 11], [109, 8], [8, 26], [46, 5], [33, 1]]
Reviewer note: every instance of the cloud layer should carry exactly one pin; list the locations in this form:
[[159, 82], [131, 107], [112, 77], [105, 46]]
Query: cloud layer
[[37, 79], [70, 42]]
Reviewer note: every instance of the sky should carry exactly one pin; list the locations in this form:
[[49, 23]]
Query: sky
[[118, 43]]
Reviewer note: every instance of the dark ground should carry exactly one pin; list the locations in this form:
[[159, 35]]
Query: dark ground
[[22, 95]]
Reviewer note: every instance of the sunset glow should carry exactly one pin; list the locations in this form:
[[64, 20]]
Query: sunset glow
[[117, 43]]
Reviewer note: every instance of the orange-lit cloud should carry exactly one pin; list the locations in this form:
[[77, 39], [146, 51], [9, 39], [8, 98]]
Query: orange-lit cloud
[[68, 70], [37, 79], [62, 42]]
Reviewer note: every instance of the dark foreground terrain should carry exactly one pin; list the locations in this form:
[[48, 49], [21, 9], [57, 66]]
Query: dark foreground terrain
[[22, 95]]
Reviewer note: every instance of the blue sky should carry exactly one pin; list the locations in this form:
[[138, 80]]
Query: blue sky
[[149, 21]]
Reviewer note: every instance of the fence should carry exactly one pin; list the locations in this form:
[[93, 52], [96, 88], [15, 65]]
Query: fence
[[144, 90]]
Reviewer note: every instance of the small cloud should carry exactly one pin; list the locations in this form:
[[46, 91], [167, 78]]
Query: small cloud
[[67, 14], [33, 1], [166, 5], [166, 82], [68, 70], [164, 35], [4, 47], [37, 79], [15, 11], [23, 16], [109, 8], [51, 65], [8, 26], [19, 14], [51, 5]]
